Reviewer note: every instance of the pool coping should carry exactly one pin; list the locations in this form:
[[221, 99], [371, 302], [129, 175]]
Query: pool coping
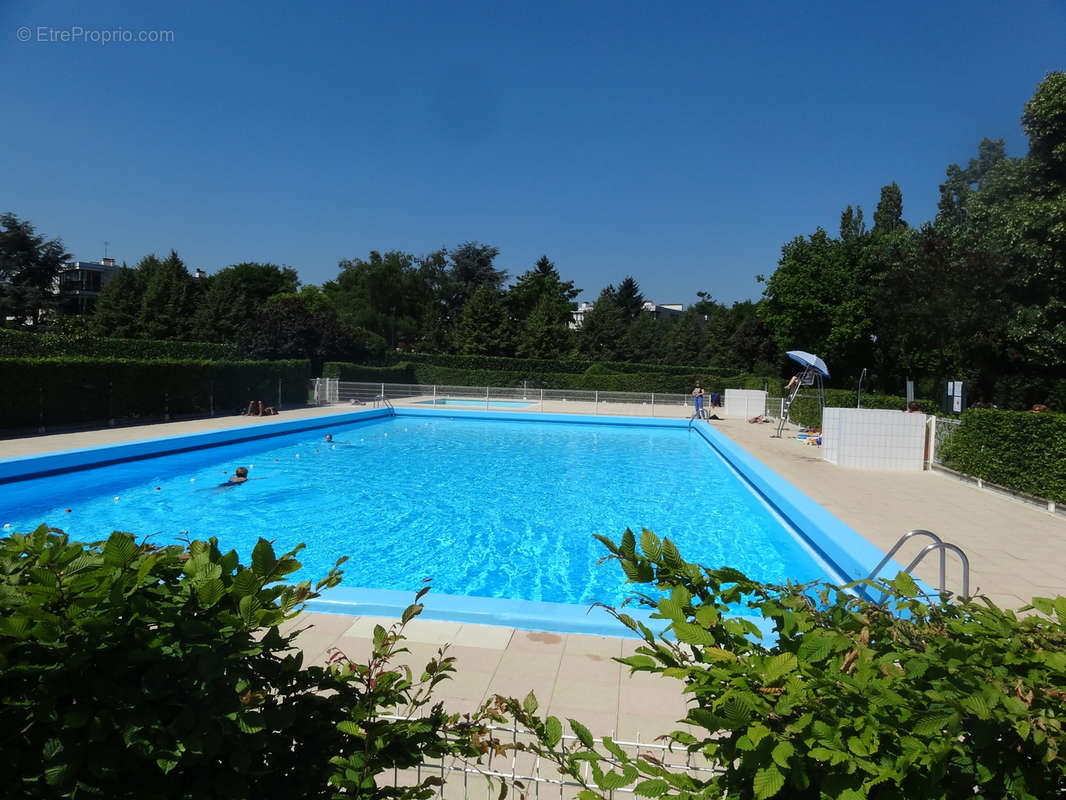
[[844, 548]]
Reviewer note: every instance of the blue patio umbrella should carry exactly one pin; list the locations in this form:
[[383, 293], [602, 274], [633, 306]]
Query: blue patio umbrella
[[809, 360]]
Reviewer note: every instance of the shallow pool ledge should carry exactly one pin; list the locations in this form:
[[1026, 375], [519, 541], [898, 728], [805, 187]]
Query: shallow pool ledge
[[500, 611]]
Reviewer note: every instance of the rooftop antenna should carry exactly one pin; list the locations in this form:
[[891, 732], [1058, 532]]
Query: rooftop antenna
[[106, 243]]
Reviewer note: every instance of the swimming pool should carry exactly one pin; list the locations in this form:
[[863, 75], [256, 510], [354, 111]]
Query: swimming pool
[[490, 505], [459, 402]]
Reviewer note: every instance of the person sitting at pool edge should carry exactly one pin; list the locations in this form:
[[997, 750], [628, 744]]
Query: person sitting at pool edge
[[240, 475], [913, 407]]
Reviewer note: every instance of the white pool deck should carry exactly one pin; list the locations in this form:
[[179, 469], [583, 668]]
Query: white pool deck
[[1016, 551]]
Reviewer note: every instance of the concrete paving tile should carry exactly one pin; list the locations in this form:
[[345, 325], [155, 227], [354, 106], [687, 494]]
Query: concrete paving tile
[[469, 685], [530, 664], [518, 687], [586, 695], [485, 636], [665, 699], [364, 626], [324, 630], [538, 641], [603, 646], [476, 659], [591, 668], [431, 631]]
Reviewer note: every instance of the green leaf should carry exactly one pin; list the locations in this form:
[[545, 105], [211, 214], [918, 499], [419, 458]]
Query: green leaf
[[610, 781], [613, 748], [628, 545], [932, 723], [768, 781], [693, 634], [553, 731], [778, 666], [735, 710], [671, 557], [905, 585], [120, 549], [210, 593], [815, 647], [263, 558], [581, 732], [650, 544], [529, 705], [652, 788], [350, 728], [977, 705], [781, 753]]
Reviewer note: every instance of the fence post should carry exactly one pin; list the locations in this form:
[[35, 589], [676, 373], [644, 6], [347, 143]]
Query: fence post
[[596, 403], [542, 400], [653, 404], [40, 409], [486, 398], [211, 398], [434, 394], [166, 405], [278, 406]]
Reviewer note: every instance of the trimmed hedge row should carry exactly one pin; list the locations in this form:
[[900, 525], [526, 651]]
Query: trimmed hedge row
[[805, 410], [1019, 450], [540, 365], [21, 344], [44, 392], [430, 374]]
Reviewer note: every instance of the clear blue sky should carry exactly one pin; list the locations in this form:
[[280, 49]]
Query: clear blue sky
[[682, 143]]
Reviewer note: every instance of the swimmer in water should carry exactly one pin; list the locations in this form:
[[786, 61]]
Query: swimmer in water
[[240, 475]]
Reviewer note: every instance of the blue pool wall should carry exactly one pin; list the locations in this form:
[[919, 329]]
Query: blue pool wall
[[842, 546]]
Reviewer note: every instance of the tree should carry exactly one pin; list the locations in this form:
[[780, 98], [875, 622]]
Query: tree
[[287, 328], [539, 304], [852, 225], [169, 299], [386, 294], [814, 301], [115, 311], [603, 332], [29, 269], [629, 298], [471, 268], [889, 214], [482, 327], [683, 341]]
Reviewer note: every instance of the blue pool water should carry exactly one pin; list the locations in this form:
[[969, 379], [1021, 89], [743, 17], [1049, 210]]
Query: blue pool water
[[484, 508], [456, 402]]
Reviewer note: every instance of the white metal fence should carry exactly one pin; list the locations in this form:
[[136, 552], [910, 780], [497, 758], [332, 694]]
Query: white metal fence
[[464, 779], [330, 391], [943, 430]]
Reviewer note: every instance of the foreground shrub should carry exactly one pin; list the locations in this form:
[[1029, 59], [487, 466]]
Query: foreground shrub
[[132, 671], [844, 700]]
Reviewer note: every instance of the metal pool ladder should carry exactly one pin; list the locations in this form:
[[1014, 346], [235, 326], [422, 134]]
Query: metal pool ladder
[[937, 544], [385, 402]]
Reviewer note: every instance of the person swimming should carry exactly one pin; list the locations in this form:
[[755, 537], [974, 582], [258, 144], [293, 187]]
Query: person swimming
[[240, 475]]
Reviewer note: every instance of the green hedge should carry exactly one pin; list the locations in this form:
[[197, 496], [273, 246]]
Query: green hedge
[[45, 392], [432, 374], [1021, 451], [805, 410], [540, 365], [20, 344]]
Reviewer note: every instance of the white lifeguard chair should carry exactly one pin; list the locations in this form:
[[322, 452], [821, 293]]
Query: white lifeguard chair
[[806, 383]]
